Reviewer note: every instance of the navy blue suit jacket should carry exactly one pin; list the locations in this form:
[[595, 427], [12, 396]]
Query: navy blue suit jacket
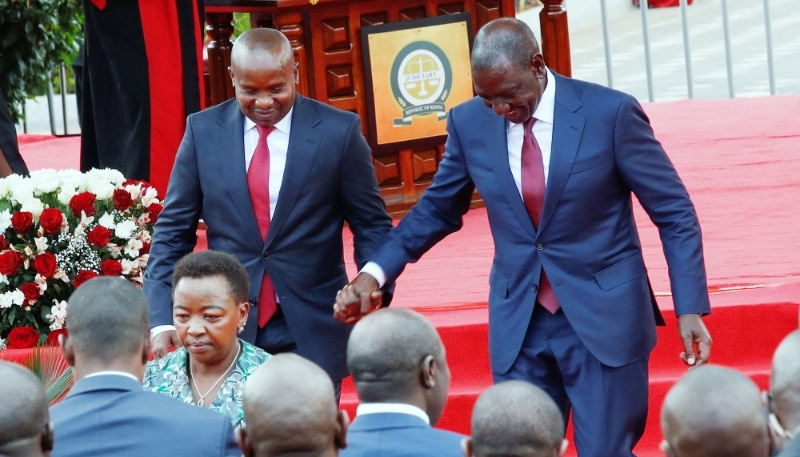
[[329, 179], [603, 151], [398, 435], [111, 415]]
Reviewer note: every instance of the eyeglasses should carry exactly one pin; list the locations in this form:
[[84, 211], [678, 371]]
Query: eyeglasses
[[778, 429]]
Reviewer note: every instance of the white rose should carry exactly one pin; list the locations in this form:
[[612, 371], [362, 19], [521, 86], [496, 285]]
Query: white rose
[[112, 175], [103, 189], [71, 178], [91, 179], [8, 183], [107, 221], [5, 220], [22, 190], [124, 229], [16, 297], [45, 181], [5, 301], [32, 205], [65, 194]]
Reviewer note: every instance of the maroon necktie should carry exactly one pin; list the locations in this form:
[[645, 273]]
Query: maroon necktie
[[258, 182], [533, 189]]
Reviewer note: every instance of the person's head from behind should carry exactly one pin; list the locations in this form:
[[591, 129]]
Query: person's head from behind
[[396, 356], [264, 74], [25, 429], [290, 410], [508, 71], [714, 412], [107, 328], [515, 419], [209, 295], [784, 396]]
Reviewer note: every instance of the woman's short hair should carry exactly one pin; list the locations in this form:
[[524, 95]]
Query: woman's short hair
[[204, 264]]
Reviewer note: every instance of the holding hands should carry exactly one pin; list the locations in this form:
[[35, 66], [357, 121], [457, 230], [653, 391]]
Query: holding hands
[[357, 299]]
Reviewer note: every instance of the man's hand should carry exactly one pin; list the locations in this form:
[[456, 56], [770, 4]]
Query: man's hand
[[357, 299], [696, 340], [163, 341]]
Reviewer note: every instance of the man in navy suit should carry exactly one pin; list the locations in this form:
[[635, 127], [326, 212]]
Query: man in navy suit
[[400, 372], [556, 162], [107, 412], [274, 176]]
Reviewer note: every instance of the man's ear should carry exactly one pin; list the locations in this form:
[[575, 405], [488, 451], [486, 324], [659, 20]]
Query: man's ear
[[244, 442], [564, 446], [65, 342], [230, 73], [48, 438], [466, 447], [428, 372], [342, 424], [538, 66]]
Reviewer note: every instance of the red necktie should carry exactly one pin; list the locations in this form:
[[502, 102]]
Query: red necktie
[[533, 189], [258, 182]]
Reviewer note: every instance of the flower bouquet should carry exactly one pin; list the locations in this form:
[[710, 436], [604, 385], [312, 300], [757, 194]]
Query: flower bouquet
[[58, 229]]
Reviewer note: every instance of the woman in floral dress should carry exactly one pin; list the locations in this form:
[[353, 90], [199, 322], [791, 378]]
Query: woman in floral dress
[[210, 307]]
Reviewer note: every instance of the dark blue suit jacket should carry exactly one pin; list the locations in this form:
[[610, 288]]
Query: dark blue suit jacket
[[111, 415], [398, 435], [603, 151], [329, 179]]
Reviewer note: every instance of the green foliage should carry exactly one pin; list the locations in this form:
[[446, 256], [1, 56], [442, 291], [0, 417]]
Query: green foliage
[[36, 36], [49, 365], [241, 24]]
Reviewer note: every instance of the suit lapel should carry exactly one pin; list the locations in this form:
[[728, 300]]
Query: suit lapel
[[495, 133], [304, 144], [567, 130], [229, 149]]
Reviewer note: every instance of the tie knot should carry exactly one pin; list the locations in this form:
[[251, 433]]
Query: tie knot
[[263, 132], [529, 124]]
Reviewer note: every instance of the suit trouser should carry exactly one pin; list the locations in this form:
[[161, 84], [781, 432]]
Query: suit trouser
[[608, 405], [276, 338]]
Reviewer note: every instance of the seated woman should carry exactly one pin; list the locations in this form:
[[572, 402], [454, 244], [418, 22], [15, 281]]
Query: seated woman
[[209, 292]]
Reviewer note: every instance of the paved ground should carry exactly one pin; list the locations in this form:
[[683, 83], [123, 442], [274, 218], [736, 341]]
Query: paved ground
[[748, 49]]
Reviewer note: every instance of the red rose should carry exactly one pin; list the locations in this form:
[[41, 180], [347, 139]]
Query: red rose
[[82, 277], [110, 267], [122, 199], [45, 264], [154, 210], [99, 237], [52, 338], [82, 202], [10, 262], [3, 243], [22, 222], [131, 182], [31, 291], [51, 220], [145, 249], [22, 338]]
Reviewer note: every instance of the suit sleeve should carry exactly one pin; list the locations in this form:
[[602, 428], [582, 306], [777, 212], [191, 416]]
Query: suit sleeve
[[362, 204], [438, 213], [647, 170], [175, 233]]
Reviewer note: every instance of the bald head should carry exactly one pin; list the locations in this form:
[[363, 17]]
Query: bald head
[[715, 412], [516, 418], [785, 382], [290, 409], [504, 38], [23, 415], [261, 43], [386, 353]]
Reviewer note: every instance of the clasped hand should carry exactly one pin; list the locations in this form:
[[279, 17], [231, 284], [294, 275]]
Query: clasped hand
[[357, 299]]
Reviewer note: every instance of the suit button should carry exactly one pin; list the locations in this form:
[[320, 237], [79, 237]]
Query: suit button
[[265, 255], [540, 247], [535, 288]]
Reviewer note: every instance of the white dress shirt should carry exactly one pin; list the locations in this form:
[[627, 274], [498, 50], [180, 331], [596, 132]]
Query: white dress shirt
[[278, 143], [113, 373], [399, 408], [542, 131]]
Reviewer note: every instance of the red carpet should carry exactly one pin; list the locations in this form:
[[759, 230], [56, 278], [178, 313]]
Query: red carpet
[[740, 162]]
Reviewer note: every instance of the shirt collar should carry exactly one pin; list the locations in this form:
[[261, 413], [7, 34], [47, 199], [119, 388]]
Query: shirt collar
[[284, 125], [398, 408], [545, 110], [113, 373]]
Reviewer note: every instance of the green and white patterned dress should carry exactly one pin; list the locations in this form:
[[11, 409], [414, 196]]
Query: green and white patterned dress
[[169, 375]]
